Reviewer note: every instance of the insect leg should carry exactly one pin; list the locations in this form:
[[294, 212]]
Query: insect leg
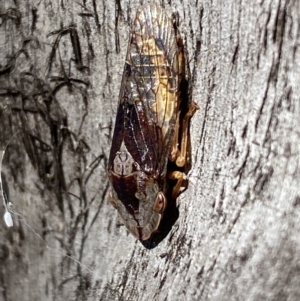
[[181, 158], [179, 176]]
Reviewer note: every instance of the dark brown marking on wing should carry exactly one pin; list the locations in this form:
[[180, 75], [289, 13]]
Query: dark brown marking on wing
[[126, 189], [139, 138]]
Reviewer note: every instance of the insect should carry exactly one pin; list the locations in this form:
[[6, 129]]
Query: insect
[[148, 125]]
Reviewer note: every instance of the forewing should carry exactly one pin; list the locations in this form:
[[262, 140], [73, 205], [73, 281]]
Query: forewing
[[149, 92]]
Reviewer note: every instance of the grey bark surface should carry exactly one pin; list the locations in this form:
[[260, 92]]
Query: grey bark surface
[[237, 235]]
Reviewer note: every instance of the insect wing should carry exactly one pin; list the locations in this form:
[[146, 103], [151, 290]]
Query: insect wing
[[145, 122]]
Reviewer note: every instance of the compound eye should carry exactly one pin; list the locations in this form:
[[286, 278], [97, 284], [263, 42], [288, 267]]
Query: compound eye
[[112, 200], [160, 203]]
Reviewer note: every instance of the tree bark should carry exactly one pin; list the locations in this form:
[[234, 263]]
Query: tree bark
[[237, 234]]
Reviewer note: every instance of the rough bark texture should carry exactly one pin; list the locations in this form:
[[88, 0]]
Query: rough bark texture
[[237, 235]]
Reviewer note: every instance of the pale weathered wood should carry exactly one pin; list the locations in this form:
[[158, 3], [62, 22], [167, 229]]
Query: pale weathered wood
[[237, 235]]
